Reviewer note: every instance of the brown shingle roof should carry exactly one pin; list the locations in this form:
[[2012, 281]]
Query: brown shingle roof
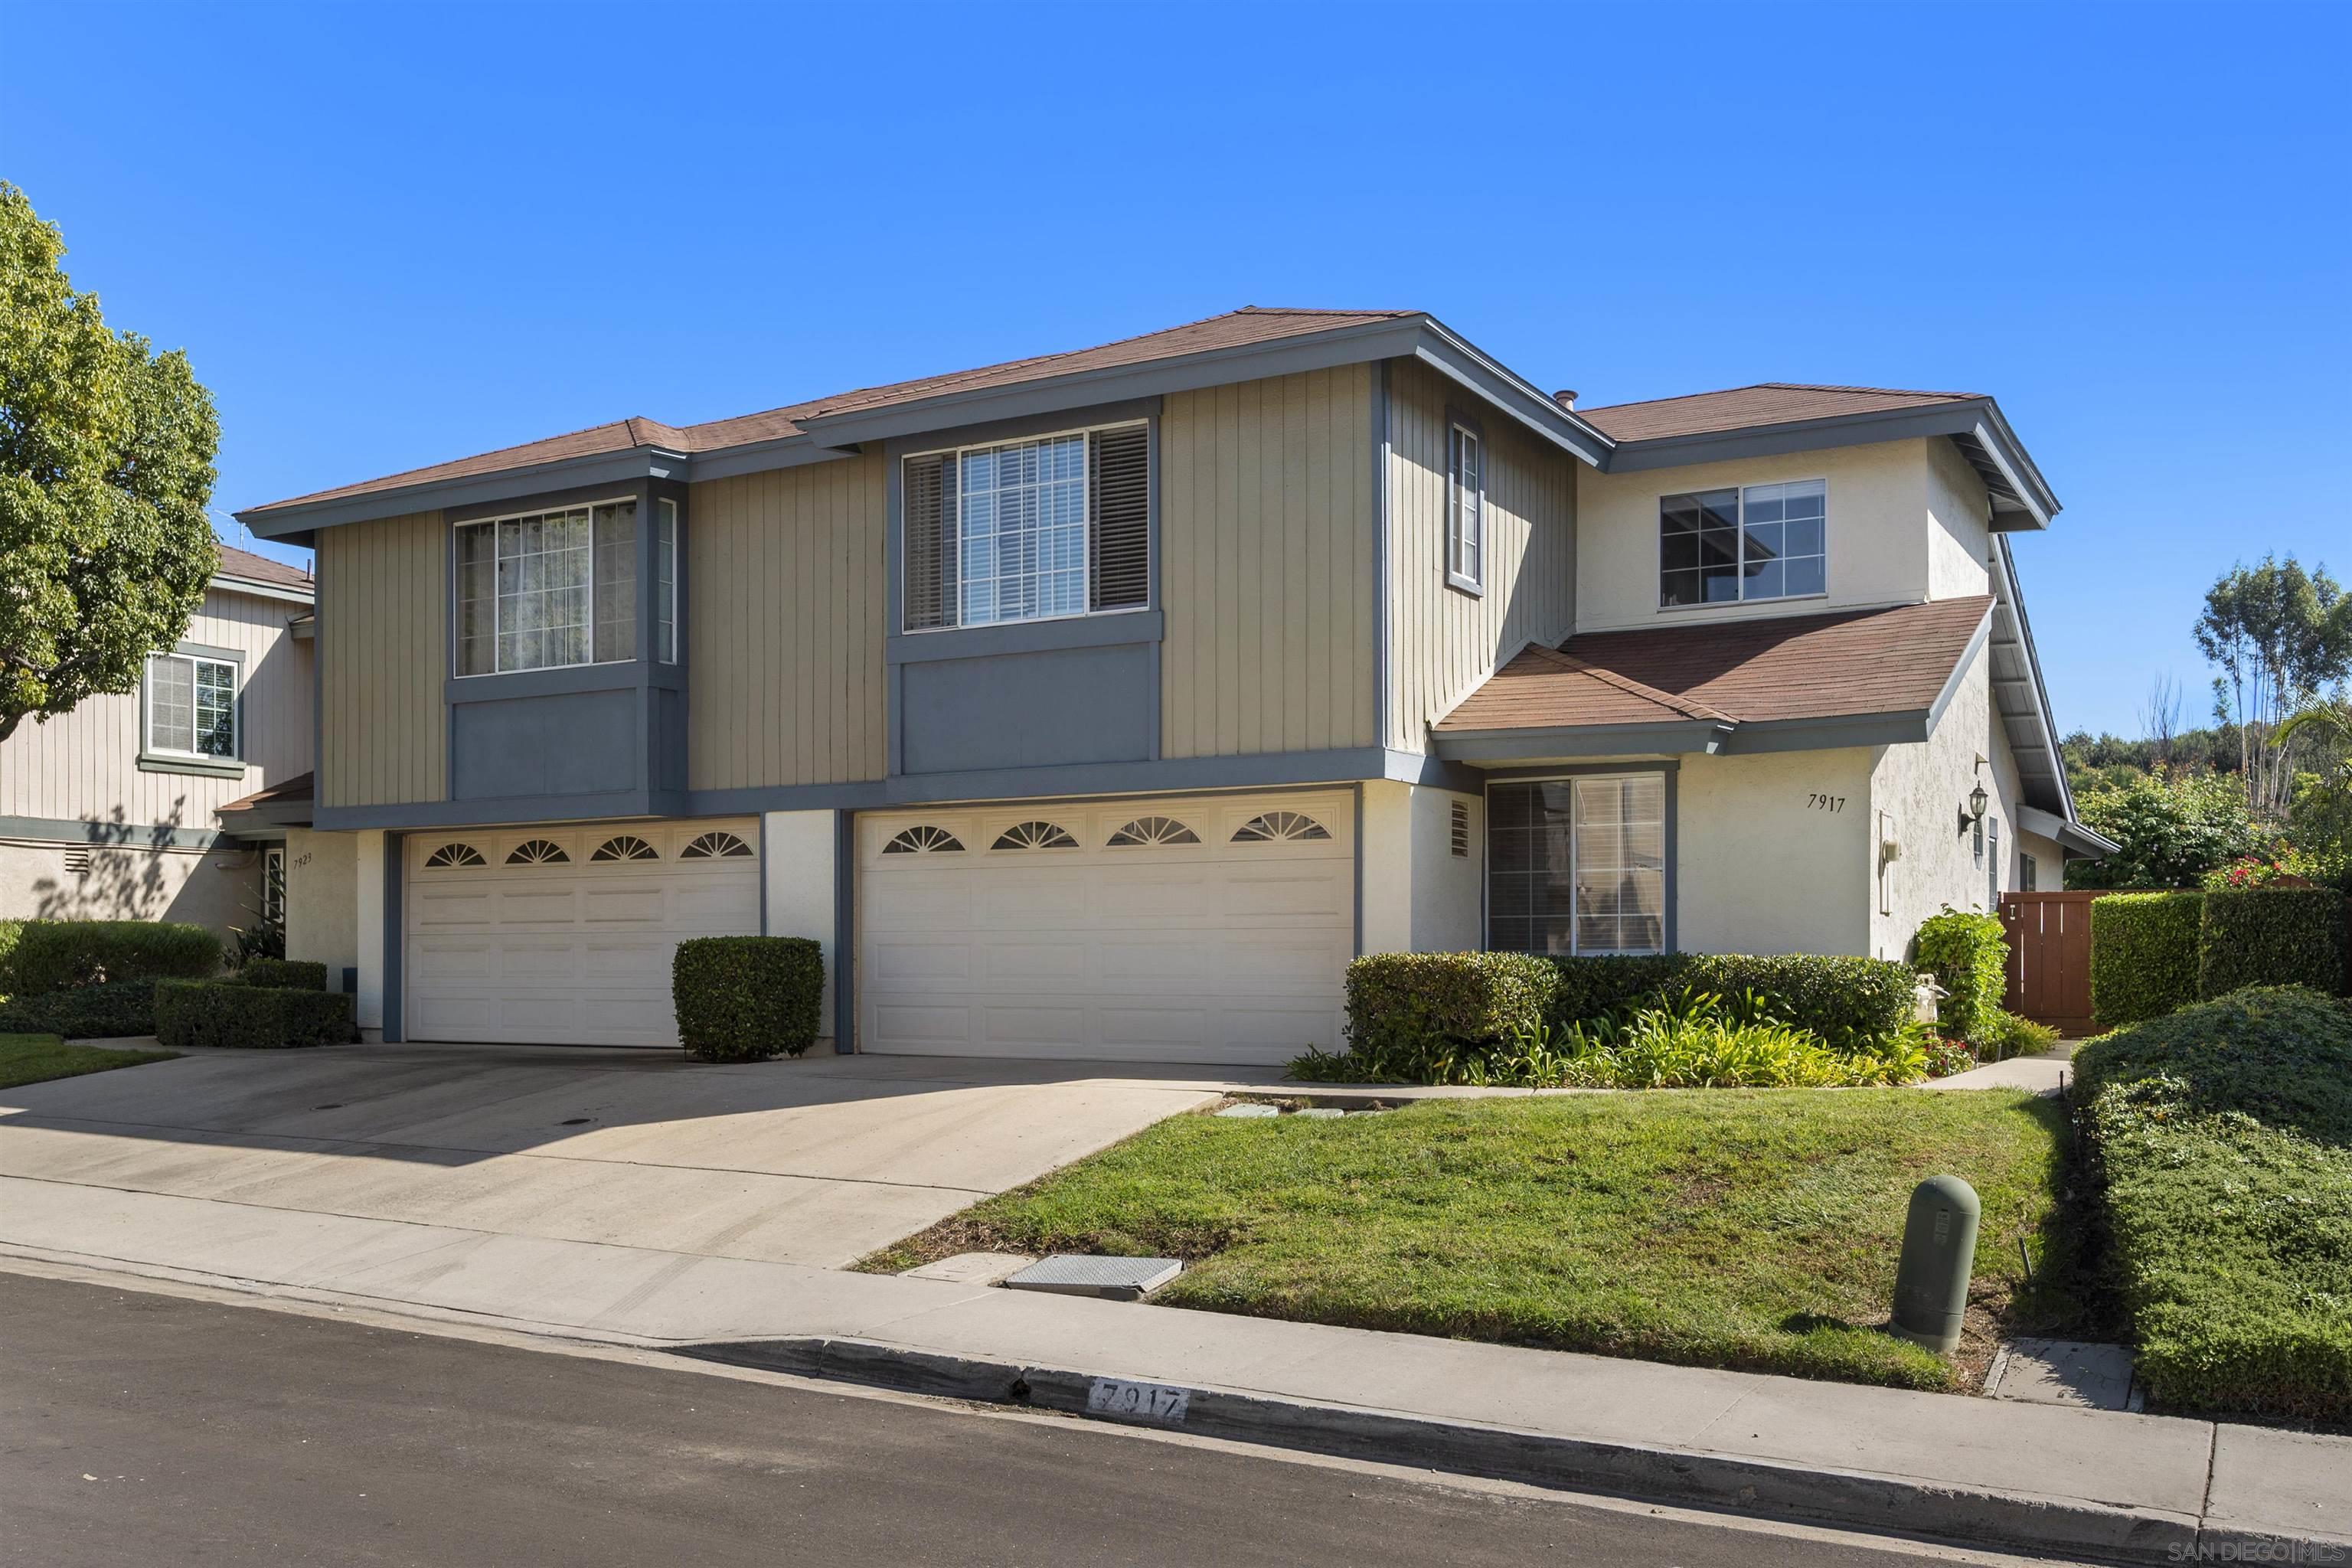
[[1785, 667], [236, 562], [289, 792], [1235, 329], [1744, 408]]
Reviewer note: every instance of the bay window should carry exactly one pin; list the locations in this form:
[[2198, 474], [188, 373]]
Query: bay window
[[1028, 530], [548, 589], [1577, 865]]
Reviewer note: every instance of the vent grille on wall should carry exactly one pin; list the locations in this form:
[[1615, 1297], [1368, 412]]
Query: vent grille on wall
[[1462, 830], [78, 862]]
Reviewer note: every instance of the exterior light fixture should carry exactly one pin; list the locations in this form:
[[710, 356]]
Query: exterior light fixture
[[1972, 811]]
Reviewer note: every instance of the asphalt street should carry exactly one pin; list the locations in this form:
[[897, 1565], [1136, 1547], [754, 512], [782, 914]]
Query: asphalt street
[[140, 1428]]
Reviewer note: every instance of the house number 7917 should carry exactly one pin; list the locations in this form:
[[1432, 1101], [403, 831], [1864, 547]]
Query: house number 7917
[[1818, 801]]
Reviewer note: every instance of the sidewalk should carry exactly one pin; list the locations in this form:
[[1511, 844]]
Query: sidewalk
[[2132, 1487]]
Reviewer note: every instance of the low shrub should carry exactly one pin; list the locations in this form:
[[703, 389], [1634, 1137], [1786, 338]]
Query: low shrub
[[56, 955], [2143, 955], [2010, 1036], [1852, 1003], [746, 998], [2221, 1139], [2271, 936], [85, 1013], [8, 933], [1410, 1015], [1969, 956], [226, 1012], [284, 973], [1699, 1040]]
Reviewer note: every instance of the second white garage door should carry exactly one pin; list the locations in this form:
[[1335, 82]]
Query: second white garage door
[[564, 935], [1198, 929]]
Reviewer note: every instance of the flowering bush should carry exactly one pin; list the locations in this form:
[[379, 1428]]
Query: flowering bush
[[2250, 871]]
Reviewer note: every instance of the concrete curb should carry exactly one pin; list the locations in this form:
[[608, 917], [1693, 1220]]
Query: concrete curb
[[1979, 1517]]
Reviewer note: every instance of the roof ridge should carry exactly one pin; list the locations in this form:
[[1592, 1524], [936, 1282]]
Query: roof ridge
[[1626, 683], [1778, 386]]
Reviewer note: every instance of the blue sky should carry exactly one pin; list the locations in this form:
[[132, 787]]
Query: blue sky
[[388, 235]]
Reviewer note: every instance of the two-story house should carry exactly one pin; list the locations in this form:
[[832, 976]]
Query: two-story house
[[1105, 703], [125, 808]]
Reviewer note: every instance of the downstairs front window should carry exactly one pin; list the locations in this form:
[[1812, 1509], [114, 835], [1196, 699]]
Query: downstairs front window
[[1577, 865]]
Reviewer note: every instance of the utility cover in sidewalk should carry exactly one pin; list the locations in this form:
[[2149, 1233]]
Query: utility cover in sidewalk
[[2063, 1372], [1111, 1278]]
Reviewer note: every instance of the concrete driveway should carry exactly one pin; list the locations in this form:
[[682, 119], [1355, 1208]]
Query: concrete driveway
[[815, 1161]]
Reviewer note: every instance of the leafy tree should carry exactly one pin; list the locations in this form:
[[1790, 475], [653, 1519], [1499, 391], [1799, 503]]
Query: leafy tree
[[2172, 828], [2280, 635], [106, 464]]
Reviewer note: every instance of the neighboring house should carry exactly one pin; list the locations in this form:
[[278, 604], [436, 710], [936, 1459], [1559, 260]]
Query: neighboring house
[[121, 809], [1105, 703]]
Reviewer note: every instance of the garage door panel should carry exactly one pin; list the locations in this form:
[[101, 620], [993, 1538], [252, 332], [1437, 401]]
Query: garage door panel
[[568, 951], [1212, 951]]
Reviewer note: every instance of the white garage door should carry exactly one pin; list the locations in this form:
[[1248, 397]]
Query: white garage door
[[1205, 929], [564, 935]]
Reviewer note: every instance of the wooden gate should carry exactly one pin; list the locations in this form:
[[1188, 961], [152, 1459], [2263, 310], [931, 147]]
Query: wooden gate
[[2049, 958]]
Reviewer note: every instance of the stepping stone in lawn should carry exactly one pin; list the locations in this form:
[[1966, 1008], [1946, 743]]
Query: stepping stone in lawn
[[1250, 1110]]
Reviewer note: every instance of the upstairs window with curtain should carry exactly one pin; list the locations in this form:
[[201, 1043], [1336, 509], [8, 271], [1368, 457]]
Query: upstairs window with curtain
[[1028, 530], [548, 589]]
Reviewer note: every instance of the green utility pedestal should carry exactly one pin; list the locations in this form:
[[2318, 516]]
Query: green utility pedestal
[[1931, 1281]]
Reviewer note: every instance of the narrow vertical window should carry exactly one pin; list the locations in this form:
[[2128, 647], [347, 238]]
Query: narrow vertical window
[[477, 622], [2027, 874], [928, 505], [1992, 863], [1119, 476], [1466, 510], [665, 582]]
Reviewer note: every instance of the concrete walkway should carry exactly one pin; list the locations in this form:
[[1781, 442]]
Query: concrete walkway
[[2043, 1074], [2139, 1487]]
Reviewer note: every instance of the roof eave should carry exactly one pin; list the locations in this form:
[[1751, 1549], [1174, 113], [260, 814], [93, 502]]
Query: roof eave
[[1544, 743], [229, 582], [1977, 419]]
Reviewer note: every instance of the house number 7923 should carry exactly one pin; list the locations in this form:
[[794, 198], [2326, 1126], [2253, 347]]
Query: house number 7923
[[1818, 801]]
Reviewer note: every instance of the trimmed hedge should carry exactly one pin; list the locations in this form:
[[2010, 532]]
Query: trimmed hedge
[[1969, 956], [2143, 955], [85, 1013], [746, 998], [284, 973], [2271, 936], [1411, 1014], [250, 1018], [57, 955], [2222, 1141], [9, 930]]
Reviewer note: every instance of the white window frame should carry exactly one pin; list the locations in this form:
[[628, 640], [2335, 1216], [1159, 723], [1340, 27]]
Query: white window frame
[[273, 886], [456, 631], [1466, 538], [236, 707], [1666, 856], [1085, 539], [1658, 527]]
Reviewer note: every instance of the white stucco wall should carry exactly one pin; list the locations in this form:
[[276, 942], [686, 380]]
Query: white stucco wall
[[219, 887], [1772, 852], [1419, 896], [1888, 504], [798, 887], [367, 886], [322, 901], [1924, 787], [1959, 538]]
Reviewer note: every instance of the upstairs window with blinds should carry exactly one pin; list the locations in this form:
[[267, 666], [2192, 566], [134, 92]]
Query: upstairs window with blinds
[[1465, 508], [1029, 531]]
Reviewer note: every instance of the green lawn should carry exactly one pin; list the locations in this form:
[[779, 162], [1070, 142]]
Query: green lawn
[[1754, 1229], [33, 1058]]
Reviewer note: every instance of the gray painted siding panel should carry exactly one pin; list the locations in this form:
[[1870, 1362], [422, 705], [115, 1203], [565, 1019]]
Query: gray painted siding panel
[[83, 766], [1267, 527], [1443, 642], [785, 629], [384, 653]]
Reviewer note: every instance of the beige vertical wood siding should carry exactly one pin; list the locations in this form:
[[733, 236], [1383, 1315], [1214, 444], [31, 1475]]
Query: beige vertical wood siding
[[84, 766], [784, 626], [1442, 642], [384, 649], [1268, 513]]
